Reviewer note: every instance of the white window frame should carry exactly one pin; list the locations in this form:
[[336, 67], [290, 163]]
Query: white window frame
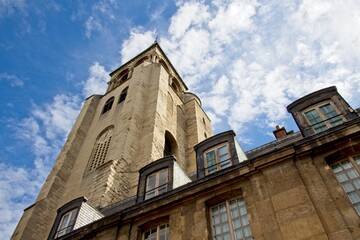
[[229, 220], [157, 188], [209, 169], [67, 222], [326, 122], [347, 174], [158, 232]]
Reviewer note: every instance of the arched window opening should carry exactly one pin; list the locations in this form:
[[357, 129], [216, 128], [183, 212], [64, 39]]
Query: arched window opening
[[124, 76], [108, 105], [167, 148], [170, 146], [173, 85], [123, 95], [140, 61], [100, 149]]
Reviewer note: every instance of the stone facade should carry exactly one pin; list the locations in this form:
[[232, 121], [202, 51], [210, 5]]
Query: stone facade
[[288, 188]]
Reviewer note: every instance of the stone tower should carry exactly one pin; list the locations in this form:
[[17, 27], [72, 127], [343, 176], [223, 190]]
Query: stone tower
[[145, 114]]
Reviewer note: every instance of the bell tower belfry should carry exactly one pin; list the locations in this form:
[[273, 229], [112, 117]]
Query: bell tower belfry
[[145, 115]]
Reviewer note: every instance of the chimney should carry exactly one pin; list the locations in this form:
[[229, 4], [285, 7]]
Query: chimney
[[280, 132]]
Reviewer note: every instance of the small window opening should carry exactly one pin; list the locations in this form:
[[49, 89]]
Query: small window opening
[[170, 146], [108, 105], [173, 85], [123, 95], [167, 148]]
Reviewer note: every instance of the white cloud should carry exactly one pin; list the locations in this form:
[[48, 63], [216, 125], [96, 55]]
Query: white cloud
[[18, 187], [189, 14], [272, 53], [91, 25], [97, 81], [45, 130], [231, 18], [8, 7], [13, 80], [136, 43]]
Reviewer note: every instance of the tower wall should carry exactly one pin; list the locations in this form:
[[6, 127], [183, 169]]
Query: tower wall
[[130, 135]]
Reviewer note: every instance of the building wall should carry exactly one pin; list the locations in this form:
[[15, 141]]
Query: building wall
[[290, 193], [152, 109]]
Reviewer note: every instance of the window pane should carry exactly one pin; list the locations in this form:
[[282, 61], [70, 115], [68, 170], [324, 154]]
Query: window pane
[[223, 151], [313, 117], [348, 187], [315, 120], [357, 183], [346, 164], [244, 220], [331, 114], [163, 177], [151, 182], [354, 197], [352, 173], [234, 213], [238, 234], [225, 227], [237, 223], [239, 227], [217, 229], [227, 236], [222, 207], [342, 177], [210, 157], [336, 168], [247, 231], [243, 210], [216, 219], [223, 217]]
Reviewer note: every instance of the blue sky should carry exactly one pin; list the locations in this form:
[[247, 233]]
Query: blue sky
[[246, 59]]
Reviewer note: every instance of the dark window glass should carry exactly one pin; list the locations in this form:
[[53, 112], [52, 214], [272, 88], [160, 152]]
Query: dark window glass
[[123, 95], [108, 105]]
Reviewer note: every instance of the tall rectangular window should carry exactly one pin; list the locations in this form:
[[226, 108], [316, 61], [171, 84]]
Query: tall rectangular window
[[156, 183], [230, 221], [67, 223], [346, 172], [316, 121], [217, 158], [160, 232], [330, 113], [322, 117]]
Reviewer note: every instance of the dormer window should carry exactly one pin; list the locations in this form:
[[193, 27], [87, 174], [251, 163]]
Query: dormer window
[[156, 183], [73, 215], [217, 153], [67, 222], [159, 177], [217, 158], [321, 110], [323, 117]]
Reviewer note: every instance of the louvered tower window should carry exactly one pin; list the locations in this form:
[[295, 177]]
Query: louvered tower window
[[101, 149]]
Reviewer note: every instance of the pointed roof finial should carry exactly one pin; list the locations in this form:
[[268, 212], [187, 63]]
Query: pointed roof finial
[[156, 38]]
